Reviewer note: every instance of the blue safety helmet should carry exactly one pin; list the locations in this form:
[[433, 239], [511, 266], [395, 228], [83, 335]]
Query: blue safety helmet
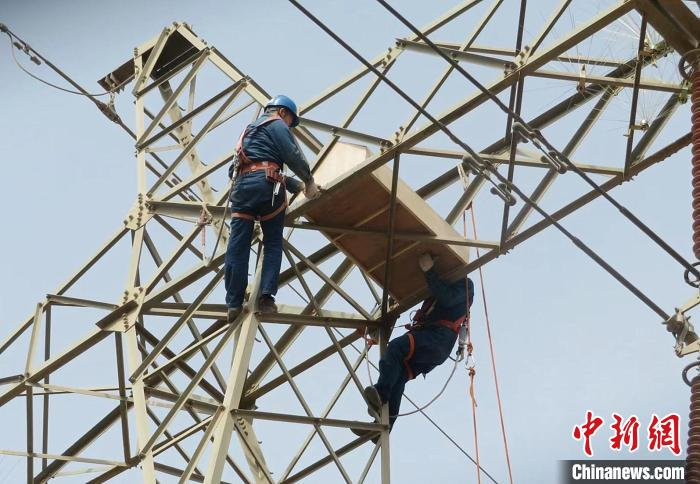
[[285, 102]]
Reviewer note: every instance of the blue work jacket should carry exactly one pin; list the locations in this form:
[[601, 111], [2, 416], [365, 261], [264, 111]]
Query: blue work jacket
[[273, 141], [450, 297]]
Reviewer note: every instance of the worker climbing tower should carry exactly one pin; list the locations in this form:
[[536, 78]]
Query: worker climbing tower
[[182, 392]]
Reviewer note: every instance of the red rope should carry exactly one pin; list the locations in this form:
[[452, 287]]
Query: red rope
[[493, 357], [472, 370]]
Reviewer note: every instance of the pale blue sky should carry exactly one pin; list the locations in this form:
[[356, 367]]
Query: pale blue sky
[[567, 337]]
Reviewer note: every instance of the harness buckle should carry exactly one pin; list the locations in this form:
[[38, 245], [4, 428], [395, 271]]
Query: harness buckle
[[273, 173]]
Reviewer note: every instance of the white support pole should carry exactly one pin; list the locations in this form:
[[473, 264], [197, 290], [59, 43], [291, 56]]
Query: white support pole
[[234, 388]]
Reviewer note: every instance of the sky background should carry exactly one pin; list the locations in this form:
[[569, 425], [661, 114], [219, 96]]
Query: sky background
[[567, 337]]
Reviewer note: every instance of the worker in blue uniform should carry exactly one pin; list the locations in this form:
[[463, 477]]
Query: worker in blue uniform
[[426, 345], [259, 193]]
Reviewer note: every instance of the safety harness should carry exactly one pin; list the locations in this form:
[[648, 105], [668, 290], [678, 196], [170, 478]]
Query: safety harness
[[273, 173], [418, 322]]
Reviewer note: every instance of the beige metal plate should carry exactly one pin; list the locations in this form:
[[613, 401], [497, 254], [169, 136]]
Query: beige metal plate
[[365, 205]]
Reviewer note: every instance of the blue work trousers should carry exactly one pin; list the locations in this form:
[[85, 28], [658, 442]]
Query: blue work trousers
[[252, 195], [406, 359]]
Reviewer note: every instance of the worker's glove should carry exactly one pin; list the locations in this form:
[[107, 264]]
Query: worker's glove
[[311, 190], [426, 262]]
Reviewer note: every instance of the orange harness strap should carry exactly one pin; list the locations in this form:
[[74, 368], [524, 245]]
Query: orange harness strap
[[278, 210], [239, 146], [244, 216], [258, 165], [262, 218], [453, 325]]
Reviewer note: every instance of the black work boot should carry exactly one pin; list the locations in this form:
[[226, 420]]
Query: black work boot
[[363, 432], [374, 402], [266, 304], [233, 313]]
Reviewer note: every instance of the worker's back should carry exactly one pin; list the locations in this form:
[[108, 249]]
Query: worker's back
[[267, 140], [450, 298]]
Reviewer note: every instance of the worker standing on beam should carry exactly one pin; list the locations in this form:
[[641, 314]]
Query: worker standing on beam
[[259, 193], [426, 345]]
